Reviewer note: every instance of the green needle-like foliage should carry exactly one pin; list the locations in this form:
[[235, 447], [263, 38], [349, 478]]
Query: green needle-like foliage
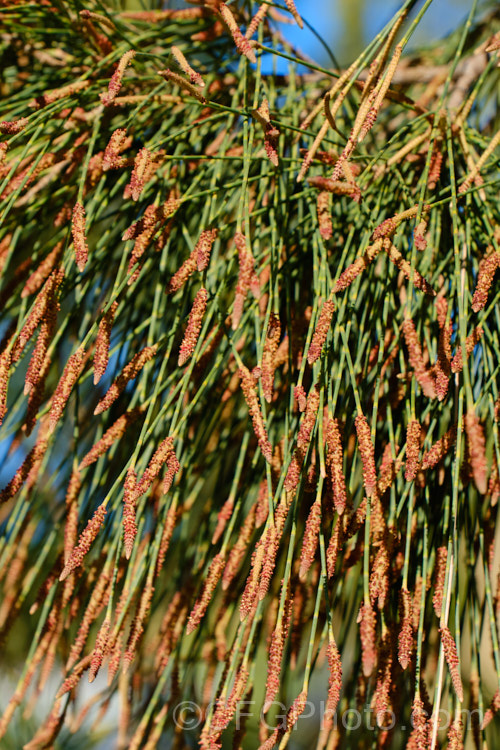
[[249, 370]]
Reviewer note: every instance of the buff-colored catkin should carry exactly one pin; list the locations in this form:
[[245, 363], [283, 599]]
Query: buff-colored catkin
[[405, 638], [5, 361], [490, 149], [178, 80], [367, 632], [36, 369], [203, 248], [455, 739], [129, 502], [360, 264], [271, 544], [381, 93], [326, 184], [193, 327], [367, 452], [103, 338], [379, 576], [79, 236], [192, 74], [156, 462], [168, 530], [321, 331], [247, 278], [85, 542], [310, 539], [487, 269], [323, 208], [142, 172], [43, 307], [99, 598], [117, 143], [173, 467], [437, 599], [99, 651], [423, 376], [477, 449], [271, 344], [451, 656], [256, 20], [138, 624], [112, 434], [472, 339], [117, 77], [405, 267], [493, 709], [413, 431], [211, 581], [238, 551], [303, 439], [439, 449], [300, 396], [249, 596], [183, 273], [420, 737], [334, 681], [242, 44], [249, 388], [276, 649], [129, 372], [71, 373], [334, 465], [71, 519], [384, 680], [43, 270]]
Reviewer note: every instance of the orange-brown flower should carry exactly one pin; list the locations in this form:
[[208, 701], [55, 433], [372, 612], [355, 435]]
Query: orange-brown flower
[[193, 75], [470, 342], [193, 328], [243, 46], [424, 377], [247, 278], [268, 356], [451, 656], [477, 449], [321, 331], [413, 431], [437, 599], [128, 373], [85, 542], [334, 465], [352, 272], [71, 373], [101, 353], [129, 501], [368, 622], [487, 269], [440, 448], [310, 539], [116, 79], [367, 452], [79, 238], [213, 575], [157, 460], [405, 638], [204, 248], [249, 388]]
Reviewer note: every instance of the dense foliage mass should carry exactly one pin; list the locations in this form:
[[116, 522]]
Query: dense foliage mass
[[248, 382]]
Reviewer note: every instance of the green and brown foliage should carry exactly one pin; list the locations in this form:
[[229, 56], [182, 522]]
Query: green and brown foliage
[[248, 378]]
